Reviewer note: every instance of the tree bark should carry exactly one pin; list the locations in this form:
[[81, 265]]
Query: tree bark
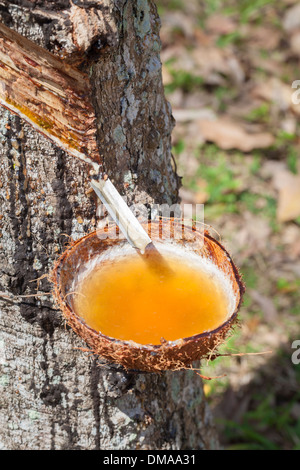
[[53, 394]]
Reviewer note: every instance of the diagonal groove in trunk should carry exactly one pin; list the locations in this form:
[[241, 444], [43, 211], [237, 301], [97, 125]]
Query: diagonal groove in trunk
[[48, 93]]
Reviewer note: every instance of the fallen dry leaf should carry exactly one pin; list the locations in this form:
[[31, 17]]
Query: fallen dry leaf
[[275, 91], [166, 76], [289, 124], [209, 62], [288, 186], [214, 63], [182, 115], [177, 21], [228, 134], [262, 37], [291, 19], [220, 24], [295, 42]]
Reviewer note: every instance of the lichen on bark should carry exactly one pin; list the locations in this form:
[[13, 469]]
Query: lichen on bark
[[53, 394]]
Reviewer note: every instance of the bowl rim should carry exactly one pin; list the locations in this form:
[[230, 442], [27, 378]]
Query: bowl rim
[[55, 277]]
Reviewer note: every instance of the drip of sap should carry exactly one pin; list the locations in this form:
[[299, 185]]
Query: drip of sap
[[129, 300]]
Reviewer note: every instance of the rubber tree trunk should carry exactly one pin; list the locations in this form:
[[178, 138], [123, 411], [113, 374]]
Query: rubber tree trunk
[[53, 394]]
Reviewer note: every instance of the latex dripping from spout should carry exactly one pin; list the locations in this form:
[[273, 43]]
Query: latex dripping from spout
[[128, 223]]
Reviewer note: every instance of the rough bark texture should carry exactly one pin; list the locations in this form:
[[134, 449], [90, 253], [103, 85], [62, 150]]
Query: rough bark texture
[[53, 395]]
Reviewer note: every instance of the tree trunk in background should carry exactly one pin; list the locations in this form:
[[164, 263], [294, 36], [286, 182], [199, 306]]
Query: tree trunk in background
[[53, 395]]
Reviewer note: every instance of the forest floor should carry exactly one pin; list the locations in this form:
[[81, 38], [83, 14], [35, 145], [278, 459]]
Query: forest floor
[[229, 70]]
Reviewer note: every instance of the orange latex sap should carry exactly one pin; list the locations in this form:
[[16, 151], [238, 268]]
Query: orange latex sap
[[128, 300]]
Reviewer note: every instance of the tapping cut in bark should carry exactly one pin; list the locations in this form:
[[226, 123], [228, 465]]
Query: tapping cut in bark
[[51, 95]]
